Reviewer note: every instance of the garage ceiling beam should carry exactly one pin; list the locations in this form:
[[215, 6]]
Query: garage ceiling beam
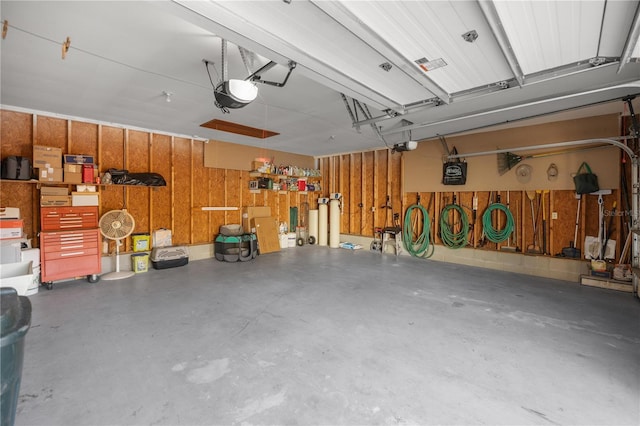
[[493, 19]]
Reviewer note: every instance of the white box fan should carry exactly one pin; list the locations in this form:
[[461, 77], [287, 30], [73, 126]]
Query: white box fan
[[117, 225]]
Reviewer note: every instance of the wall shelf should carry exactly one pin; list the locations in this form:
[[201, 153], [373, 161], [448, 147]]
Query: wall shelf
[[280, 177]]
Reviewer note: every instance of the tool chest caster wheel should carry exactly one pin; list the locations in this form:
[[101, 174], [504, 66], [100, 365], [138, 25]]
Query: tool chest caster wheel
[[93, 278], [48, 285]]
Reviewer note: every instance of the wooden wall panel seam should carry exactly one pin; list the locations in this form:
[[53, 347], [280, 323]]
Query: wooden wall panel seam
[[173, 186]]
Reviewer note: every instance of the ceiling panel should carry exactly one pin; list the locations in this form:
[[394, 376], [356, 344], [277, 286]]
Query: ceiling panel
[[125, 54], [617, 15], [549, 34], [433, 30]]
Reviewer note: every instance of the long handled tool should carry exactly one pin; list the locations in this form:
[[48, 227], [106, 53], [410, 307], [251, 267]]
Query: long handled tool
[[544, 223], [625, 249], [483, 237], [515, 228], [609, 231], [571, 251], [508, 247], [474, 217], [508, 160], [601, 225], [533, 248]]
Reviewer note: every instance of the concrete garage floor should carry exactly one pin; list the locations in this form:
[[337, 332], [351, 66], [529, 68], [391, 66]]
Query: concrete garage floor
[[314, 335]]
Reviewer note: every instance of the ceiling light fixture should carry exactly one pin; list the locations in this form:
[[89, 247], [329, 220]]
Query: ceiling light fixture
[[405, 146], [235, 93]]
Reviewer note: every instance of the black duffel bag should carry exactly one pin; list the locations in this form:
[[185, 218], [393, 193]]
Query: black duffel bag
[[144, 179]]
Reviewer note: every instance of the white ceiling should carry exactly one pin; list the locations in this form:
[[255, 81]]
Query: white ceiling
[[530, 59]]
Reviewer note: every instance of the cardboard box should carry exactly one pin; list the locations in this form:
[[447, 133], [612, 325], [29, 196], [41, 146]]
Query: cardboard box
[[249, 213], [47, 156], [86, 188], [87, 173], [30, 254], [11, 223], [9, 213], [17, 275], [50, 174], [85, 199], [257, 165], [54, 190], [55, 200], [11, 250], [78, 159], [11, 228], [72, 173]]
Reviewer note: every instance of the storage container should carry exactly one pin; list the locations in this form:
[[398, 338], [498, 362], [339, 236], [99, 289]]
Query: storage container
[[236, 248], [16, 167], [17, 275], [169, 257], [15, 321], [162, 237], [141, 242], [140, 262]]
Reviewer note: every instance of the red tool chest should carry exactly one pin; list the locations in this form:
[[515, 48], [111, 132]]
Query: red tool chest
[[70, 243], [65, 218]]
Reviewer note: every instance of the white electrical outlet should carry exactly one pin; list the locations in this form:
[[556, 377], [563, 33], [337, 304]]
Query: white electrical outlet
[[554, 215]]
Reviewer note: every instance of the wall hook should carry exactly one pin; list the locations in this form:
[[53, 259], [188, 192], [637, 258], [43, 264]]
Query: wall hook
[[65, 47]]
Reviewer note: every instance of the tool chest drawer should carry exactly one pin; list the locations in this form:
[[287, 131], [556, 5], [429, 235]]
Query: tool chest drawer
[[63, 218], [63, 244], [60, 269]]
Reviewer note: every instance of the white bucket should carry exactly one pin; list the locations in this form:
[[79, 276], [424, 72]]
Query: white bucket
[[284, 241], [292, 239]]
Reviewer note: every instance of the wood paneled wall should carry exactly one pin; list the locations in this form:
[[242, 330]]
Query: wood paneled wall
[[371, 184], [367, 179], [177, 206]]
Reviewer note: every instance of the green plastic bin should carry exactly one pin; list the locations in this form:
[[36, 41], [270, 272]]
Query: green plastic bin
[[15, 319]]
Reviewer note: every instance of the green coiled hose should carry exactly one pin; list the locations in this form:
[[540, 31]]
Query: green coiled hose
[[421, 246], [495, 235], [451, 239]]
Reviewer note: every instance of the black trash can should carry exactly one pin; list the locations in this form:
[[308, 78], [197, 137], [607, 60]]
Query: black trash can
[[15, 320]]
